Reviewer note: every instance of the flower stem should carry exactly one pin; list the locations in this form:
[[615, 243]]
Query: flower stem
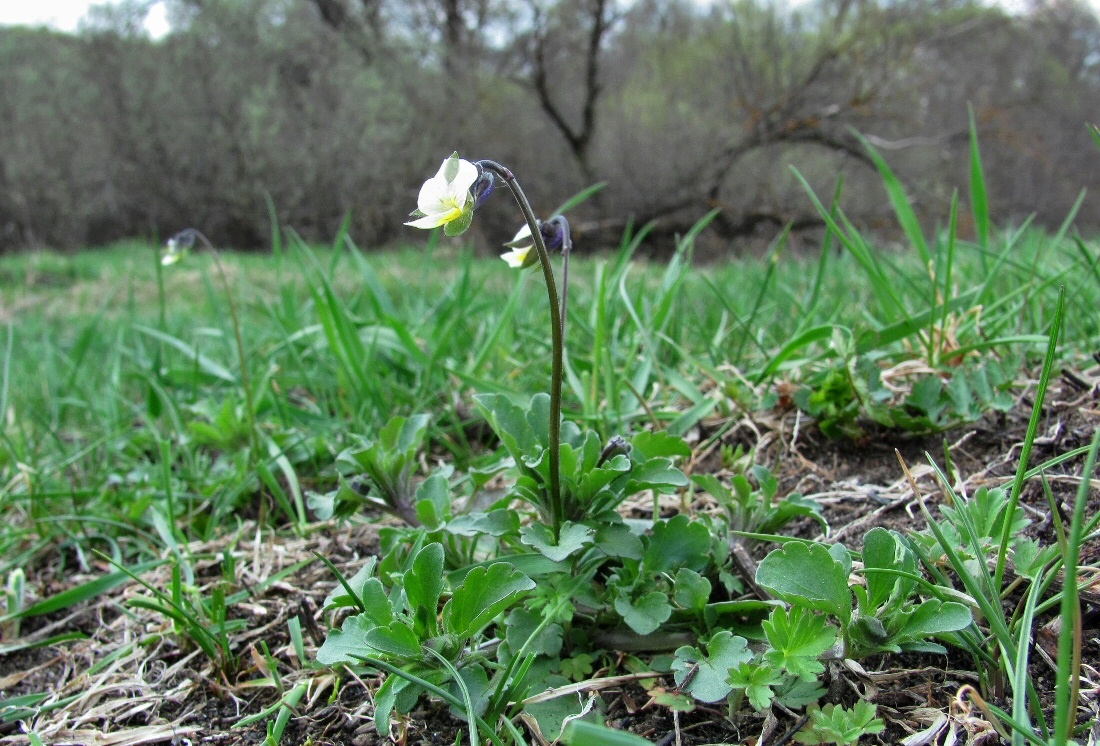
[[557, 507]]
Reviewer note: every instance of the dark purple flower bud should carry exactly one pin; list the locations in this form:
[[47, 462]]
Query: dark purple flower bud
[[615, 446], [482, 188], [555, 232]]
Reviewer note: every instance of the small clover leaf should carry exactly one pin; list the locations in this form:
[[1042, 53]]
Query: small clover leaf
[[797, 637], [577, 668]]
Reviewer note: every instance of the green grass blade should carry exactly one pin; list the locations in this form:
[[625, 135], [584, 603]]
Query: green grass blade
[[578, 198], [5, 377], [1025, 624], [82, 592], [1069, 643], [443, 694], [1056, 240], [947, 272], [850, 238], [903, 208], [207, 365], [979, 200], [467, 701], [809, 337], [1029, 438]]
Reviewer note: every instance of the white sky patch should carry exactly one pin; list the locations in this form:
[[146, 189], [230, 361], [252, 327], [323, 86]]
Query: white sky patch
[[65, 15]]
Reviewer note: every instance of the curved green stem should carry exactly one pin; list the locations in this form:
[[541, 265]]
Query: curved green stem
[[557, 507]]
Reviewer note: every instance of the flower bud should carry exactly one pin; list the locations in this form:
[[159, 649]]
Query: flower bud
[[483, 188]]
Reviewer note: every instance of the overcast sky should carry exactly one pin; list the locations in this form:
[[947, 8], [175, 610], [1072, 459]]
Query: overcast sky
[[66, 14]]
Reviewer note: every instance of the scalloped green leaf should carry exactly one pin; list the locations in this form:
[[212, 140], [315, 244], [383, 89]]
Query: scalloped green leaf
[[883, 551], [573, 538], [617, 540], [807, 575], [657, 474], [934, 617], [485, 593], [396, 639], [494, 523], [677, 542], [652, 444], [691, 590], [344, 644], [646, 614], [709, 682], [433, 501], [509, 422], [423, 585]]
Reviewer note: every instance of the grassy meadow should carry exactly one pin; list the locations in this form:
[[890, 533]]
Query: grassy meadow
[[148, 410], [106, 371]]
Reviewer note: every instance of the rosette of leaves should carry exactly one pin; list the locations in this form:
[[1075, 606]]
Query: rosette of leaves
[[404, 627], [840, 396], [377, 473], [596, 477], [838, 725], [757, 509], [973, 528]]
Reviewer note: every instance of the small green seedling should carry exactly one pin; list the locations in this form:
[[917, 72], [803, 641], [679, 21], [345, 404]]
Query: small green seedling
[[839, 725]]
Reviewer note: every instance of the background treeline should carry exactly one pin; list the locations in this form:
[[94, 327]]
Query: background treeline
[[321, 107]]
